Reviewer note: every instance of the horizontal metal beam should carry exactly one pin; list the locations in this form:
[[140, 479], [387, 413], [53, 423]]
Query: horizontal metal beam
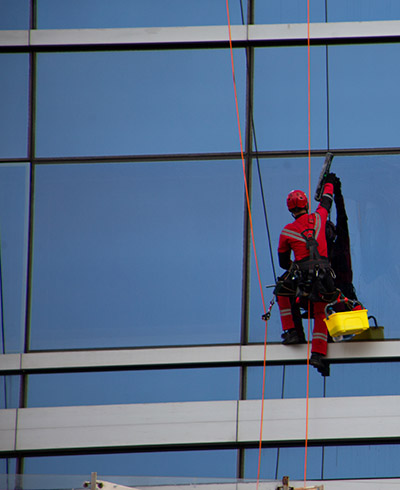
[[164, 357], [198, 424], [264, 35]]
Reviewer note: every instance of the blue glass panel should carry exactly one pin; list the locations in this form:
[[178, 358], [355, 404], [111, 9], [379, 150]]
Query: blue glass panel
[[14, 14], [154, 386], [14, 201], [273, 382], [8, 468], [14, 70], [9, 391], [291, 462], [371, 214], [364, 95], [284, 382], [378, 461], [269, 460], [66, 14], [215, 463], [137, 254], [276, 463], [281, 98], [142, 102], [363, 10], [365, 379], [288, 12], [278, 178]]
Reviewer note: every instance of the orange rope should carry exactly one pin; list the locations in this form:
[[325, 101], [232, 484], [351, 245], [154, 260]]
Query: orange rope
[[309, 200], [252, 238]]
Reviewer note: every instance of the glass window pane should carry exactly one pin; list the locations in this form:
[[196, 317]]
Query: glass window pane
[[288, 12], [364, 95], [138, 102], [14, 14], [14, 69], [284, 382], [378, 461], [66, 14], [214, 463], [137, 254], [123, 387], [371, 215], [278, 178], [14, 202], [363, 10], [8, 468], [365, 379], [279, 462], [9, 391], [281, 98]]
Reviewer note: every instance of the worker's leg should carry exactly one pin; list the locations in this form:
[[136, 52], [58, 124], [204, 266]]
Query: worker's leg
[[320, 333], [285, 310]]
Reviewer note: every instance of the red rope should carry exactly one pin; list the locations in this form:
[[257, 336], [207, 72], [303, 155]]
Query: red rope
[[309, 200], [252, 238]]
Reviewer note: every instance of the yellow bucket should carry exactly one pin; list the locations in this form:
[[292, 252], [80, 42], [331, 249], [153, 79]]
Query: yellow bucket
[[347, 322]]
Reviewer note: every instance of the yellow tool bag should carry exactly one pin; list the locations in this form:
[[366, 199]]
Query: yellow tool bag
[[352, 321]]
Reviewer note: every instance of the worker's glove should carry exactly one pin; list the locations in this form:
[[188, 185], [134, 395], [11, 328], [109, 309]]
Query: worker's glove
[[331, 179]]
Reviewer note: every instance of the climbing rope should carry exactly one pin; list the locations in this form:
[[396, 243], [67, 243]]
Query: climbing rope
[[252, 238], [309, 200]]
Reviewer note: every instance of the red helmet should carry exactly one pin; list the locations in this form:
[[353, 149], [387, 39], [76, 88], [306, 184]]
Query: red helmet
[[296, 199]]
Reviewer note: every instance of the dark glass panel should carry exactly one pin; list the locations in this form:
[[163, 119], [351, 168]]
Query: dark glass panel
[[281, 98], [76, 14], [14, 201], [9, 391], [138, 102], [288, 12], [211, 463], [122, 387], [137, 254], [373, 461], [364, 95], [14, 14], [14, 69], [363, 10]]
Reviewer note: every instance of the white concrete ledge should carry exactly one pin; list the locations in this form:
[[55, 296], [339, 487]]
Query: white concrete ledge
[[196, 423], [267, 34], [191, 356]]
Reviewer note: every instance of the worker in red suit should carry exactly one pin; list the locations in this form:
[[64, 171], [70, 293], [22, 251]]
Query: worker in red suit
[[309, 277]]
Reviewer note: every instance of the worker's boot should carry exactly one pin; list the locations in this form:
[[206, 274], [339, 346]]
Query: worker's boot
[[290, 337], [317, 360]]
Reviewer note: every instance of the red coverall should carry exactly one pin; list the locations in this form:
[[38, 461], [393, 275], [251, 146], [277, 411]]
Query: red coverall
[[292, 240]]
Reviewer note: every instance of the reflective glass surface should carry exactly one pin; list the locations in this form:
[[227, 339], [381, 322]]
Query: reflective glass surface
[[372, 214], [276, 463], [374, 461], [140, 102], [284, 382], [66, 14], [281, 98], [137, 254], [288, 12], [14, 14], [366, 379], [364, 95], [9, 391], [211, 463], [154, 386], [362, 10], [14, 201], [14, 70]]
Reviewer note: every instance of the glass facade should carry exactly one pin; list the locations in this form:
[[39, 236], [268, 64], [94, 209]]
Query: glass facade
[[124, 224]]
